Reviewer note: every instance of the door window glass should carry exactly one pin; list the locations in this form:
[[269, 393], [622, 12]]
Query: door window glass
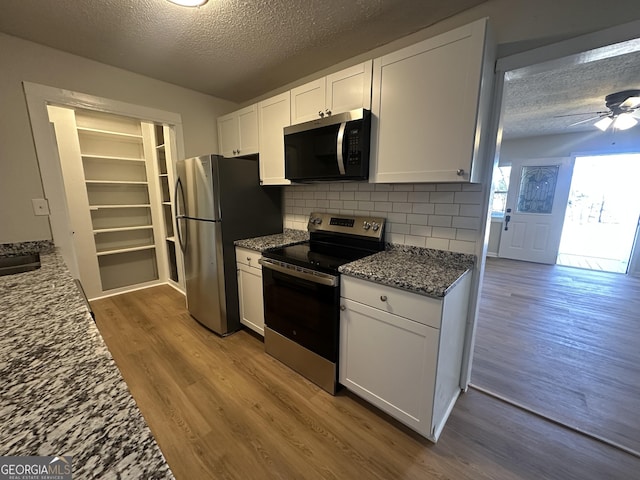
[[537, 189]]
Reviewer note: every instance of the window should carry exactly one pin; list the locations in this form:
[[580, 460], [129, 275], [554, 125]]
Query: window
[[500, 185]]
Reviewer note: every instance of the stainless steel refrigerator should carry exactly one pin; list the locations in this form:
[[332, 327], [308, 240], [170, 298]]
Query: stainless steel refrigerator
[[217, 201]]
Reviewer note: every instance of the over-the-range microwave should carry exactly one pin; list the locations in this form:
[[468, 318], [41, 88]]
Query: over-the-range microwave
[[332, 148]]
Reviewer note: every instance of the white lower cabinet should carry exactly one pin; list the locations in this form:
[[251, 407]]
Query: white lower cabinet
[[250, 289], [402, 352]]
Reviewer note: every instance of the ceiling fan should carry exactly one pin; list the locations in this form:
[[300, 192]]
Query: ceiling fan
[[623, 107]]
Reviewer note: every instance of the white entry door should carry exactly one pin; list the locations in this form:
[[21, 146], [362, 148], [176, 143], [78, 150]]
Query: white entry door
[[536, 205]]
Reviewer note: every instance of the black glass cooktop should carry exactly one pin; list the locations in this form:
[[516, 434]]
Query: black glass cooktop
[[324, 258]]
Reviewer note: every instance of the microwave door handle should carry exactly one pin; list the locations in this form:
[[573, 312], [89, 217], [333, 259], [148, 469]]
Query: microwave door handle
[[340, 148]]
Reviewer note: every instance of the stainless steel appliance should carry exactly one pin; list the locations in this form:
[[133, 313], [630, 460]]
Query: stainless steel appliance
[[302, 293], [330, 148], [219, 200]]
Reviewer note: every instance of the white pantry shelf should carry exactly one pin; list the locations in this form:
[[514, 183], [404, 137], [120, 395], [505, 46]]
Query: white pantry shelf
[[123, 229], [125, 250], [115, 182], [111, 157], [108, 133]]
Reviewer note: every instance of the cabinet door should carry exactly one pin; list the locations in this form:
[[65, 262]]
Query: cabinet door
[[308, 101], [248, 130], [426, 104], [389, 361], [273, 115], [349, 89], [251, 299], [228, 134]]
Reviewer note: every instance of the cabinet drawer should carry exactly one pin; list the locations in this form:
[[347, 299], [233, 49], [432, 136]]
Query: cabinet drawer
[[421, 309], [248, 257]]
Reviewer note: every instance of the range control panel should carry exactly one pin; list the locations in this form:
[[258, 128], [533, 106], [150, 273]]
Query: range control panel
[[372, 227]]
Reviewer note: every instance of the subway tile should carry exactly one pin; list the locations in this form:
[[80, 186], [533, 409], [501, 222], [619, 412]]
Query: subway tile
[[383, 187], [396, 217], [424, 187], [415, 241], [337, 204], [420, 230], [448, 187], [366, 206], [350, 186], [414, 219], [383, 206], [469, 197], [299, 203], [380, 196], [350, 204], [403, 187], [336, 187], [424, 208], [307, 195], [347, 195], [439, 220], [447, 209], [467, 210], [437, 243], [418, 197], [444, 232], [470, 223], [467, 235], [322, 204], [333, 195], [398, 196], [362, 196], [403, 207], [472, 187], [366, 187], [399, 228], [441, 197], [298, 194], [310, 203], [347, 212], [320, 195], [462, 246], [397, 238]]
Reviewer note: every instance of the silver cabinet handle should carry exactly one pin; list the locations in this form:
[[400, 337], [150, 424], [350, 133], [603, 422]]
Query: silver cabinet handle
[[328, 112], [383, 298], [343, 308], [460, 172], [321, 113]]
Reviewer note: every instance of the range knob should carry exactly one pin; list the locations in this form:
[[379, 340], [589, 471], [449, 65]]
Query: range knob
[[375, 227], [366, 225], [316, 220]]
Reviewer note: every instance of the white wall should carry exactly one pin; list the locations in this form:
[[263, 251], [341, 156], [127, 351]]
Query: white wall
[[26, 61]]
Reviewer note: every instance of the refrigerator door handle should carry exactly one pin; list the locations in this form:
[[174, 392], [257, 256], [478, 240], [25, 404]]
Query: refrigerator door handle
[[179, 190]]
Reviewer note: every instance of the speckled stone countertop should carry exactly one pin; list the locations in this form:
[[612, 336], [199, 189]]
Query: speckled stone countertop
[[421, 270], [62, 393], [261, 244]]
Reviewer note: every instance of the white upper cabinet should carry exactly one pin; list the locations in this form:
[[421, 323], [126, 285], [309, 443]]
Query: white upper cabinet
[[273, 115], [238, 132], [336, 93], [430, 104]]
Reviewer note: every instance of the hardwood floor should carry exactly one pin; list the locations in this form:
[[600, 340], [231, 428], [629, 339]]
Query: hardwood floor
[[222, 408], [564, 342]]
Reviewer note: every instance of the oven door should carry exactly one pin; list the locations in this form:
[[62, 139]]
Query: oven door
[[303, 306]]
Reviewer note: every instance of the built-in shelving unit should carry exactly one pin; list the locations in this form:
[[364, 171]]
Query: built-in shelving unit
[[116, 180], [118, 173]]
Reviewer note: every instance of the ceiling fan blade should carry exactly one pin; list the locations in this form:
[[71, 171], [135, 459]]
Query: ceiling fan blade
[[579, 114], [631, 102], [585, 121]]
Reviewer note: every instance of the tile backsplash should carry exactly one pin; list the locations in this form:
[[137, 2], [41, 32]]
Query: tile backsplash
[[440, 216]]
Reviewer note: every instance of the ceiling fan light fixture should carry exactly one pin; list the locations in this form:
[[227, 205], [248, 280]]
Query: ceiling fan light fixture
[[603, 123], [189, 3], [624, 121]]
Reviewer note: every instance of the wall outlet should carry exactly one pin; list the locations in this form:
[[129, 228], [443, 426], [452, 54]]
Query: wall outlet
[[40, 206]]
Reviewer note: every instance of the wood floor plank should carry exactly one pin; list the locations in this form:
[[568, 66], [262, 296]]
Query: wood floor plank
[[563, 342], [223, 408]]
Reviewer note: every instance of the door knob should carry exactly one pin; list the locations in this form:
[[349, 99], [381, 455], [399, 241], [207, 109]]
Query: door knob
[[507, 219]]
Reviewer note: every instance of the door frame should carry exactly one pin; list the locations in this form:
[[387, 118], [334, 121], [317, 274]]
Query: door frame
[[567, 52], [38, 97]]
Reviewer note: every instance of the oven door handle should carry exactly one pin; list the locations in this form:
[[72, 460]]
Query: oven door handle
[[300, 272]]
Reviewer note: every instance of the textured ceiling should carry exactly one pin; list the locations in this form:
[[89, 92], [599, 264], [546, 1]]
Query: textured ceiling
[[233, 49], [536, 103]]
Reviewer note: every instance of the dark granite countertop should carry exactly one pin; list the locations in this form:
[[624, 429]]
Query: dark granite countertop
[[262, 244], [62, 393], [424, 271]]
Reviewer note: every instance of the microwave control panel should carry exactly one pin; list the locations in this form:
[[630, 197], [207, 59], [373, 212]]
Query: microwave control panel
[[354, 153]]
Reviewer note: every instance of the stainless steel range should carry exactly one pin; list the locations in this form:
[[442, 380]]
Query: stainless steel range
[[302, 292]]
